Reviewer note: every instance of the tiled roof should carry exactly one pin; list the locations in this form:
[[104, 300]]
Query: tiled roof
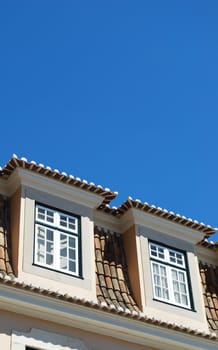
[[157, 211], [16, 162], [209, 244], [209, 278], [112, 281], [113, 289], [106, 193]]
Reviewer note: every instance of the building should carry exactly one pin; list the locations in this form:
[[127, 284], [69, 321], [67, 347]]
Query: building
[[76, 273]]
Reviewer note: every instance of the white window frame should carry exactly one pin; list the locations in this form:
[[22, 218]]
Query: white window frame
[[170, 261], [71, 232]]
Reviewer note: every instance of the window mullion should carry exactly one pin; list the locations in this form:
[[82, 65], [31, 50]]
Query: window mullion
[[170, 281]]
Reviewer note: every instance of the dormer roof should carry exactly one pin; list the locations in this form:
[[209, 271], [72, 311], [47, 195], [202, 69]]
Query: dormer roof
[[54, 174], [159, 212]]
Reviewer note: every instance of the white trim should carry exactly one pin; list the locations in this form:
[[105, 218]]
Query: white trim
[[42, 340], [52, 187], [92, 320], [57, 230], [166, 227]]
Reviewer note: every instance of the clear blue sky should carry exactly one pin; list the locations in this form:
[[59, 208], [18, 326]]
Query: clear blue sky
[[121, 93]]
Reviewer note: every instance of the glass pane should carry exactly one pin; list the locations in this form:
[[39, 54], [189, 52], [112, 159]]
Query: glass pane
[[157, 280], [50, 216], [72, 266], [174, 274], [49, 247], [153, 250], [183, 288], [157, 292], [72, 242], [63, 263], [172, 257], [63, 220], [41, 232], [72, 224], [49, 259], [63, 241], [181, 276], [72, 254], [164, 282], [163, 270], [175, 286], [41, 214], [40, 257], [160, 253], [63, 252], [165, 294], [184, 299], [177, 297], [50, 235]]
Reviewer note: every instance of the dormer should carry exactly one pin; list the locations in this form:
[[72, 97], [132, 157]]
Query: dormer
[[160, 249], [52, 228]]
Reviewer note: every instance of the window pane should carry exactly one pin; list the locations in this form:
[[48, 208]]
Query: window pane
[[160, 281], [184, 299], [180, 287], [72, 254], [72, 242], [68, 222], [63, 263], [41, 214], [49, 259], [50, 216], [63, 220], [72, 266], [50, 235], [40, 244], [181, 276], [153, 250]]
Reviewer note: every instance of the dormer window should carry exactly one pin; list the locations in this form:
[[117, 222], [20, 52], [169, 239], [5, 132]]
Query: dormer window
[[57, 240], [169, 275]]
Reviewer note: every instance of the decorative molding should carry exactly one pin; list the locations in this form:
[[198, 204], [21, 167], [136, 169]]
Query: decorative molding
[[169, 228], [42, 183], [37, 338]]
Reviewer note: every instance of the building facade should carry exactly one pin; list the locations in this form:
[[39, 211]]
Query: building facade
[[76, 273]]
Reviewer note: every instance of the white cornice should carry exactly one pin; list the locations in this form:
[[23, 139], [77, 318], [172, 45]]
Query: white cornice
[[171, 229], [52, 187], [207, 255], [107, 221], [97, 321]]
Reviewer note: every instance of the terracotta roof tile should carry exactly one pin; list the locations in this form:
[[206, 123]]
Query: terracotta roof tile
[[15, 162], [112, 275], [209, 279]]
